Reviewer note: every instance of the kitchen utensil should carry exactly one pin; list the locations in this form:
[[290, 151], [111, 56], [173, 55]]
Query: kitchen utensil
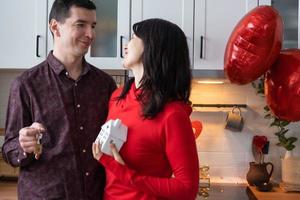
[[234, 120]]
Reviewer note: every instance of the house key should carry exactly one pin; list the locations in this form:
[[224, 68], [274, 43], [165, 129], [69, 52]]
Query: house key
[[38, 146]]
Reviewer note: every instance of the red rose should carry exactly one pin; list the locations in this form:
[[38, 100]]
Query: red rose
[[259, 141]]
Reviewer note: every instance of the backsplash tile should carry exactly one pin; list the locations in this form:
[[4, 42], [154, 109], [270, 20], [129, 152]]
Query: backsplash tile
[[228, 153], [210, 144], [213, 159]]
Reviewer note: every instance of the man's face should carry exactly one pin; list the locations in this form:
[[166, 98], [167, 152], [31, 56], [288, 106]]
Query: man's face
[[75, 35]]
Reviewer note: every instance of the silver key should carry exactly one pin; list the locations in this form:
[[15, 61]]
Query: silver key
[[38, 147]]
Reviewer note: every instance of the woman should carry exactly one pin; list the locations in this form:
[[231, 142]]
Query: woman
[[159, 159]]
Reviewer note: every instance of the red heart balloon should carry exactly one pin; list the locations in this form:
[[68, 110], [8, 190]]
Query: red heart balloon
[[282, 86], [253, 45]]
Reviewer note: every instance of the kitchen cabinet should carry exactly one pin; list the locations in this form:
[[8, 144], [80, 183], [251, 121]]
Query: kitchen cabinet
[[26, 39], [179, 12], [207, 24], [23, 33], [112, 31], [213, 24], [289, 11]]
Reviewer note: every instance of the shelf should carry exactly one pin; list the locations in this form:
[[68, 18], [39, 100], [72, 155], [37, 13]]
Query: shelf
[[221, 105]]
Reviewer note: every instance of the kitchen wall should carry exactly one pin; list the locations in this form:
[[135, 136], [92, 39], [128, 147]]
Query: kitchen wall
[[227, 153], [6, 77]]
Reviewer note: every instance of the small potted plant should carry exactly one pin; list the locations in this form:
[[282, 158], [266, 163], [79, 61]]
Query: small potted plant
[[259, 172]]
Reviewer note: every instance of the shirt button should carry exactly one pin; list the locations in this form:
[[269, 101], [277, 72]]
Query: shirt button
[[18, 160], [83, 150], [81, 127], [86, 173], [78, 105], [75, 84], [67, 74]]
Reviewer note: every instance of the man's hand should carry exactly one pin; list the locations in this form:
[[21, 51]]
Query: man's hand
[[28, 136]]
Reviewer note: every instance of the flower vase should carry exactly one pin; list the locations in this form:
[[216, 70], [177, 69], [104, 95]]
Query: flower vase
[[258, 173]]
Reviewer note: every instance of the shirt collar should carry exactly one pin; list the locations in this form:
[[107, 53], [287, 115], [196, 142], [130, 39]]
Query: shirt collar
[[59, 68]]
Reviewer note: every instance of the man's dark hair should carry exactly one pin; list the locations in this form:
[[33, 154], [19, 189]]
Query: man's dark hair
[[61, 8]]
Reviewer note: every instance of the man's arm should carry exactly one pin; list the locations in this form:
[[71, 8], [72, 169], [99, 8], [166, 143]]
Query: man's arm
[[18, 116]]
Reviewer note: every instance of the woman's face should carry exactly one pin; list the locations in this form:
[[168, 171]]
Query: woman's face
[[133, 52]]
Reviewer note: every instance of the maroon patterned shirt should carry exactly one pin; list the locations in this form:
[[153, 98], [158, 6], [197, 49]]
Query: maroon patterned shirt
[[72, 113]]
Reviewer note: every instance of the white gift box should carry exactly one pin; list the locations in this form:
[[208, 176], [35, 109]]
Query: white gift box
[[113, 131]]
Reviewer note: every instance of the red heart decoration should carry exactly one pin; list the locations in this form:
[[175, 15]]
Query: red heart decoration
[[253, 45], [282, 86], [197, 128]]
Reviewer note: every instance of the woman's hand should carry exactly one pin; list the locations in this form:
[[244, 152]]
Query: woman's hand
[[97, 153], [116, 154]]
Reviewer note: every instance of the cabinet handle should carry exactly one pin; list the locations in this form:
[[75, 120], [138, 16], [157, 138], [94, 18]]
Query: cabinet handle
[[201, 47], [37, 46], [121, 46]]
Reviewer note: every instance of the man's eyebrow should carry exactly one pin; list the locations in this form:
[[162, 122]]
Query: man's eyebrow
[[84, 21]]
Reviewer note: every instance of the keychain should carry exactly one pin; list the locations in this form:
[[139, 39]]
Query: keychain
[[38, 147]]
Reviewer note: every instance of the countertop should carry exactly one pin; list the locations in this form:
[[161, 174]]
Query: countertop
[[276, 194], [229, 191], [223, 191]]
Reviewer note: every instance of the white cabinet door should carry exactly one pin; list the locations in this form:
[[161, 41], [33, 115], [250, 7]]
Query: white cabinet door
[[179, 12], [266, 2], [289, 11], [112, 31], [23, 33], [214, 22]]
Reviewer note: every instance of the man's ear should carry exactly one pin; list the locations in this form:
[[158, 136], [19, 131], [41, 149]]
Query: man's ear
[[54, 27]]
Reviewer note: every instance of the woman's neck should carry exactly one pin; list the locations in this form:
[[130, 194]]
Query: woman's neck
[[138, 72]]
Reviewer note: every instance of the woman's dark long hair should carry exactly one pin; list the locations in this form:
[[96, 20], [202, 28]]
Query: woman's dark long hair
[[167, 75]]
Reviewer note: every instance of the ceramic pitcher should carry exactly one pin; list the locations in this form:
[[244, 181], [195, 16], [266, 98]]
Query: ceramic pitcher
[[258, 173]]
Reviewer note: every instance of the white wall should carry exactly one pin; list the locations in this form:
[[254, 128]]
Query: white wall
[[228, 153]]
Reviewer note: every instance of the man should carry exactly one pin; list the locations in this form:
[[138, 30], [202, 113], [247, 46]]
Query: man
[[63, 101]]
